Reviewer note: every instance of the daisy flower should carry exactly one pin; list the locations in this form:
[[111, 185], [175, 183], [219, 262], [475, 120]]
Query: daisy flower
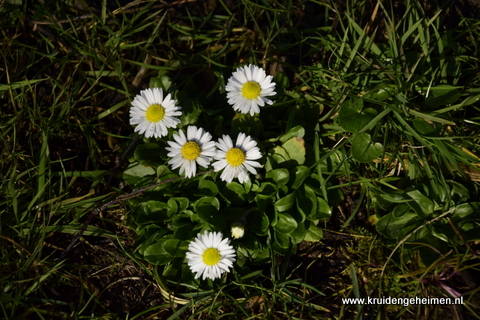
[[153, 114], [236, 160], [188, 151], [210, 256], [248, 88]]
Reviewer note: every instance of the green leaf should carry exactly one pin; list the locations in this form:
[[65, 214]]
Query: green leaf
[[175, 247], [136, 172], [252, 251], [162, 81], [267, 188], [300, 173], [382, 92], [466, 212], [236, 188], [71, 228], [258, 223], [323, 210], [234, 193], [19, 84], [175, 270], [279, 154], [152, 234], [332, 162], [282, 80], [470, 100], [182, 203], [181, 220], [314, 233], [364, 150], [352, 117], [206, 188], [164, 174], [263, 201], [430, 117], [173, 207], [279, 176], [206, 207], [400, 210], [298, 235], [422, 205], [306, 201], [150, 154], [442, 95], [247, 124], [470, 231], [285, 203], [423, 127], [392, 227], [295, 148], [285, 223], [297, 131], [429, 246], [388, 198], [458, 192], [191, 110], [151, 211], [156, 253], [282, 242]]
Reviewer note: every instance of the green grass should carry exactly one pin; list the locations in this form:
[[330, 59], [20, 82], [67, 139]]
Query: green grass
[[388, 98]]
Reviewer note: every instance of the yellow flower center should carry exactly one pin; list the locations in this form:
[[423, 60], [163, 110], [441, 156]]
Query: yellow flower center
[[235, 157], [251, 90], [191, 150], [211, 256], [155, 113]]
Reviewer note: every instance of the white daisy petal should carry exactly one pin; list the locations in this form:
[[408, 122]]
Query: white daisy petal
[[180, 138], [253, 154], [203, 161], [152, 114], [256, 74], [219, 165], [267, 101], [248, 72], [142, 127], [192, 131], [243, 177], [190, 150], [249, 145], [240, 139], [249, 168], [225, 143], [260, 101], [253, 164], [247, 87], [141, 102], [237, 160], [267, 83], [240, 76]]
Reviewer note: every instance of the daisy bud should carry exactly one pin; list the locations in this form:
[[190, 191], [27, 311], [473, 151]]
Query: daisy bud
[[238, 229]]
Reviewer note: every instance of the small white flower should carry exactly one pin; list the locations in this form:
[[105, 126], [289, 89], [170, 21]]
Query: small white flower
[[210, 256], [153, 114], [248, 88], [187, 152], [237, 159]]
